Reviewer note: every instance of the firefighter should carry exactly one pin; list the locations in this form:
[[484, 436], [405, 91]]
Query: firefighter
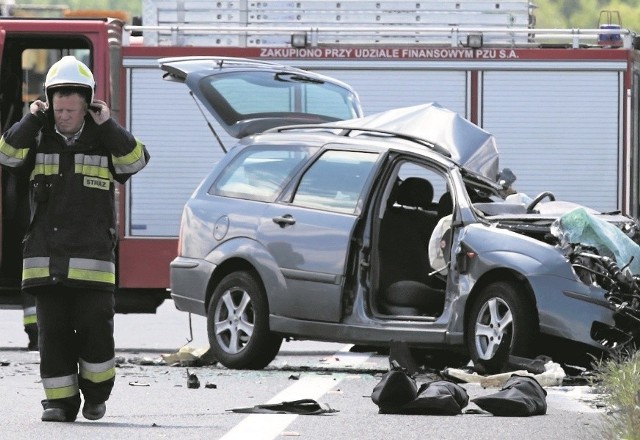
[[75, 153]]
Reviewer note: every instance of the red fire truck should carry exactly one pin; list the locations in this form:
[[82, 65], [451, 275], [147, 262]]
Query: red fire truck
[[562, 104]]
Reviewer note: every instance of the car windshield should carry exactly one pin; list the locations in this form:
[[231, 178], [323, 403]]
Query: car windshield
[[242, 95]]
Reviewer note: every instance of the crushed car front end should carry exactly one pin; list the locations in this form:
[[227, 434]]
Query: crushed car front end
[[605, 255], [581, 267]]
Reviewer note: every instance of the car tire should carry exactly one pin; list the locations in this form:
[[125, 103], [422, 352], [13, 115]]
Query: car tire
[[502, 322], [238, 323]]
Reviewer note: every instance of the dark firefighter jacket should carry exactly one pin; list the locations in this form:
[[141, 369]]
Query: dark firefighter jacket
[[72, 236]]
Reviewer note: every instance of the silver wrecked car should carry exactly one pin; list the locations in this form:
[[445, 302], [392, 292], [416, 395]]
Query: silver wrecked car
[[393, 227]]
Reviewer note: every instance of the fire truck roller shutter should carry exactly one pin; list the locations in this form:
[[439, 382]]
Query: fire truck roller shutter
[[576, 156]]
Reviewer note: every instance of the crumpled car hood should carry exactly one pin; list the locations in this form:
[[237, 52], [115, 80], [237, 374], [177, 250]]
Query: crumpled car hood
[[472, 147]]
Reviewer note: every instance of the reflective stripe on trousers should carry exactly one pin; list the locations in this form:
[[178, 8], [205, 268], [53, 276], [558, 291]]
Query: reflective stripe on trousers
[[60, 387], [29, 316], [97, 373]]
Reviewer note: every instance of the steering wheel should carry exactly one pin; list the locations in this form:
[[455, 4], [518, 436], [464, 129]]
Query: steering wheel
[[538, 199]]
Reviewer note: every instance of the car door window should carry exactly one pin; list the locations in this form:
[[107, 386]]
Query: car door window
[[335, 181], [260, 173]]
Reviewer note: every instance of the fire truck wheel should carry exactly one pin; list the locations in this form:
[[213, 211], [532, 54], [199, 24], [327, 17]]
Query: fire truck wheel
[[502, 322], [238, 323]]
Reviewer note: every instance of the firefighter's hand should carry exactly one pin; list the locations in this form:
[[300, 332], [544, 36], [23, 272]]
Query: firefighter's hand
[[99, 111], [38, 106]]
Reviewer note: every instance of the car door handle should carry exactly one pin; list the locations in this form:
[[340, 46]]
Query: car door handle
[[284, 220]]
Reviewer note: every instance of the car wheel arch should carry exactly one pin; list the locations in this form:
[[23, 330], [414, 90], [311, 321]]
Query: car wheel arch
[[224, 269], [502, 274], [246, 254]]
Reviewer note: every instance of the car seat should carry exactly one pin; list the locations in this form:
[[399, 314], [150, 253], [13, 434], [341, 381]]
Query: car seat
[[404, 260]]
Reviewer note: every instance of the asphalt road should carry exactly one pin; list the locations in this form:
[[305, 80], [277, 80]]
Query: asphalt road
[[151, 399]]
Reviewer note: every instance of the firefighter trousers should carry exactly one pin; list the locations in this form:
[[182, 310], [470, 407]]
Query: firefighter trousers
[[77, 350], [29, 319]]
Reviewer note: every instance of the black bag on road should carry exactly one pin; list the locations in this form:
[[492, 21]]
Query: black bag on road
[[520, 396]]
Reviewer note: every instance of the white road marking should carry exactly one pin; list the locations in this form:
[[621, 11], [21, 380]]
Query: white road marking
[[270, 426]]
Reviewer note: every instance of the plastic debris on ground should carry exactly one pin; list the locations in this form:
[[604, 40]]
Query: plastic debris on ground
[[552, 376], [190, 357]]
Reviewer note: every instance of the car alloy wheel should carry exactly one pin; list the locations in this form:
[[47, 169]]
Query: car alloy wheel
[[238, 323], [493, 325], [502, 322], [233, 320]]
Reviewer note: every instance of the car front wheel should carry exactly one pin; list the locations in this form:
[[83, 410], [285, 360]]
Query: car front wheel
[[238, 323], [502, 322]]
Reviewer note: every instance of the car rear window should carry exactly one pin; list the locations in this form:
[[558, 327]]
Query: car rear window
[[242, 94], [260, 173]]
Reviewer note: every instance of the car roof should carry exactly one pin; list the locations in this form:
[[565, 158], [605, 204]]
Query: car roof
[[373, 142]]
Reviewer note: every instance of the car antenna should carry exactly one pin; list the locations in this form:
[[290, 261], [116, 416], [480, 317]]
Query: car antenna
[[208, 123]]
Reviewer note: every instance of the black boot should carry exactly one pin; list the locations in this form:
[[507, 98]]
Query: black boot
[[32, 332]]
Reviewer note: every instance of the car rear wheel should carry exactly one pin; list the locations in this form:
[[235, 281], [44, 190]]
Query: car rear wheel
[[502, 322], [238, 323]]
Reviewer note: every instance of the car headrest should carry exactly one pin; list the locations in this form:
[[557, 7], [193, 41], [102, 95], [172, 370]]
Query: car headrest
[[415, 192], [445, 205]]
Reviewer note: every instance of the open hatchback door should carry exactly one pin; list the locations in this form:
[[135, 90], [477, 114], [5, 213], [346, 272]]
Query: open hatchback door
[[248, 96]]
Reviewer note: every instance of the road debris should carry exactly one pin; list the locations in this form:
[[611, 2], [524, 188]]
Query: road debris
[[301, 407], [553, 376], [398, 393], [521, 396], [190, 357], [192, 380]]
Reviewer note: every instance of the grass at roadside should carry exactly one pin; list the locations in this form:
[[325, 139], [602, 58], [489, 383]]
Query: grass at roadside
[[619, 381]]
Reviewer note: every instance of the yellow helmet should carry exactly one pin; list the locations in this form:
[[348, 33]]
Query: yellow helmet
[[70, 72]]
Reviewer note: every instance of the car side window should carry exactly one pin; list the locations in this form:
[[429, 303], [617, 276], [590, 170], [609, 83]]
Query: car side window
[[260, 173], [335, 181]]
